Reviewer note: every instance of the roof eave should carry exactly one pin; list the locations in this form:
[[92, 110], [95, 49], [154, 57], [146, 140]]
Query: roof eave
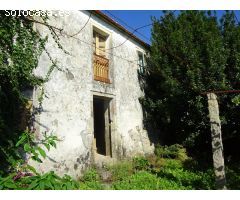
[[110, 21]]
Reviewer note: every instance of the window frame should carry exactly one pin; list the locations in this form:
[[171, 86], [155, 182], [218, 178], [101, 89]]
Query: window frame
[[98, 34]]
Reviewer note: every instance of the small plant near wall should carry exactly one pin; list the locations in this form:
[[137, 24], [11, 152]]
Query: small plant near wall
[[37, 153], [24, 176]]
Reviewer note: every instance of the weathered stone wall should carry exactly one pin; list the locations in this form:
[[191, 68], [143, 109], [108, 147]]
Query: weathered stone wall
[[67, 105]]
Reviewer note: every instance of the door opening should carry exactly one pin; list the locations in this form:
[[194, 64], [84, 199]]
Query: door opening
[[102, 128]]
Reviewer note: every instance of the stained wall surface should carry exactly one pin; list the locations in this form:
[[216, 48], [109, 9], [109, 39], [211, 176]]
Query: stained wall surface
[[67, 106]]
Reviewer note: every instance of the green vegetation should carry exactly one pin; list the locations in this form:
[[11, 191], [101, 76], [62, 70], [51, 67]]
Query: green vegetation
[[151, 173], [121, 170], [24, 176], [143, 180], [48, 181], [191, 53], [167, 172], [20, 47], [91, 181]]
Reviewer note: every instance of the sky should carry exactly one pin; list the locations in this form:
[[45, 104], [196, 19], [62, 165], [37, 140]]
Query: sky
[[132, 19]]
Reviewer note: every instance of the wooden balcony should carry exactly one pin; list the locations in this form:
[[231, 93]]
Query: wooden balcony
[[101, 68]]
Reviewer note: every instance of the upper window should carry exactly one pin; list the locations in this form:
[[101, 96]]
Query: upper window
[[100, 59], [99, 43]]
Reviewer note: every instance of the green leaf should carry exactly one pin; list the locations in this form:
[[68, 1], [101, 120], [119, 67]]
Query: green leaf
[[41, 185], [7, 178], [68, 186], [27, 147], [21, 141], [53, 143], [42, 152], [33, 185], [47, 146], [36, 159], [10, 185], [32, 169], [49, 185]]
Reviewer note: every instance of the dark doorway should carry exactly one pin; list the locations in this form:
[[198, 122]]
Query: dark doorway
[[102, 130]]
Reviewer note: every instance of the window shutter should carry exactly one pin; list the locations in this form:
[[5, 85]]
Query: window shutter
[[102, 46], [99, 44]]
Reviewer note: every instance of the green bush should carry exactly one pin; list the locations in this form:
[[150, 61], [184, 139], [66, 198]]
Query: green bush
[[156, 163], [91, 185], [51, 181], [208, 179], [47, 181], [121, 170], [175, 151], [91, 175], [141, 163], [90, 181], [233, 178], [172, 163], [143, 180], [188, 179], [191, 164]]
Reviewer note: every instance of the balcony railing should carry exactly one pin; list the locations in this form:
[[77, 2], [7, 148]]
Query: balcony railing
[[101, 68]]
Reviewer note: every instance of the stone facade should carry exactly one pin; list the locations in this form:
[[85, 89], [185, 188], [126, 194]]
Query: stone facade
[[67, 107]]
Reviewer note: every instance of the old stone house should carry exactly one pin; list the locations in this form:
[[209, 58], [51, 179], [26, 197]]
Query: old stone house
[[92, 103]]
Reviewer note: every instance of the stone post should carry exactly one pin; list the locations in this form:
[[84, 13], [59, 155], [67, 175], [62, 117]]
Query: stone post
[[217, 147]]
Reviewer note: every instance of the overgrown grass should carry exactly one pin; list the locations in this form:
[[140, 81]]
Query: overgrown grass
[[121, 170], [156, 172], [91, 181], [169, 169], [144, 180]]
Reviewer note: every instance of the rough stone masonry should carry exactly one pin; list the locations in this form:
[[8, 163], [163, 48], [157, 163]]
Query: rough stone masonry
[[67, 107]]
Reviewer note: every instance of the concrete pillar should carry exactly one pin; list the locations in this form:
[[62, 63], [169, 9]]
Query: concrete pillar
[[217, 147]]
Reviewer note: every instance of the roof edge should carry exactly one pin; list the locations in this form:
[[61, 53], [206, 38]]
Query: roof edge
[[110, 21]]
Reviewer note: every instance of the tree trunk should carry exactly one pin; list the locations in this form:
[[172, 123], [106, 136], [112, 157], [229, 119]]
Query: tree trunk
[[217, 147]]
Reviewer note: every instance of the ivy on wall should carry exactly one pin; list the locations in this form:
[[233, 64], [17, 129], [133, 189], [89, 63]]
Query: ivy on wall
[[20, 48]]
